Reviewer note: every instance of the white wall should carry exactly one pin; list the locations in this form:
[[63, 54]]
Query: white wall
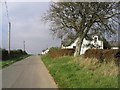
[[45, 52], [114, 48], [85, 42]]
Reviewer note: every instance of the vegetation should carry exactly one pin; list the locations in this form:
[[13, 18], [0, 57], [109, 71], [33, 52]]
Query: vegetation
[[57, 52], [8, 62], [101, 54], [82, 18], [13, 53], [14, 56], [71, 72]]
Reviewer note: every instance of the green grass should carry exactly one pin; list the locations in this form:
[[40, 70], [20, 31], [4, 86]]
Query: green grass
[[8, 62], [70, 72]]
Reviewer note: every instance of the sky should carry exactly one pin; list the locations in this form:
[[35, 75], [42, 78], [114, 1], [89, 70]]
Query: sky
[[25, 18]]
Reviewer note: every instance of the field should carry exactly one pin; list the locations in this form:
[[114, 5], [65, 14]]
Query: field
[[70, 72]]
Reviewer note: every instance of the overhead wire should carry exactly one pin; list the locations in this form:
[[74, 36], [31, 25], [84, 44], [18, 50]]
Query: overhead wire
[[7, 11]]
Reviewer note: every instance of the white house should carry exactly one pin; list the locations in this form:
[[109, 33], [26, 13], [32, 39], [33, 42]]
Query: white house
[[94, 42], [45, 51]]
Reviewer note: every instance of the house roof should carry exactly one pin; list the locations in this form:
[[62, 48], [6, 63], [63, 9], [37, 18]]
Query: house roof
[[89, 36]]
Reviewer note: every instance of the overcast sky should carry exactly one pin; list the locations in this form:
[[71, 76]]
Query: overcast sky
[[27, 25]]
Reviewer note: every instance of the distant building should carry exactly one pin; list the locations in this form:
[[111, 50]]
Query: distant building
[[45, 51]]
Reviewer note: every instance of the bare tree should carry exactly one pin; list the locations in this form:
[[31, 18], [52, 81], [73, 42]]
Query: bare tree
[[82, 18]]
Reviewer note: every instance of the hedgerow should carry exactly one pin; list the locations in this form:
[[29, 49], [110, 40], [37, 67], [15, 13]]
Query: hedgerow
[[57, 52], [13, 53], [101, 54]]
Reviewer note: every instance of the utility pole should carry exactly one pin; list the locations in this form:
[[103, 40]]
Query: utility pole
[[24, 45], [9, 38]]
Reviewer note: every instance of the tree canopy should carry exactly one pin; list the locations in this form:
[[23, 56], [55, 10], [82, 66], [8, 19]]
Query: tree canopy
[[81, 18]]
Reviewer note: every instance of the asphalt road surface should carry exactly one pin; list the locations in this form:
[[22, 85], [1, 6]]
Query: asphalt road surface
[[27, 73]]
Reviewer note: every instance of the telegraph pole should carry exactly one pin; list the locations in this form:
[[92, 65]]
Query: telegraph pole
[[9, 38], [9, 28]]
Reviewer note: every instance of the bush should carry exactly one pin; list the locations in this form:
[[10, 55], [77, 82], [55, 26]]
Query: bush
[[4, 54], [117, 56], [13, 54], [57, 52], [101, 54]]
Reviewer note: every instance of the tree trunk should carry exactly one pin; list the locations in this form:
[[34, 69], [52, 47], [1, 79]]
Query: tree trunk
[[78, 47]]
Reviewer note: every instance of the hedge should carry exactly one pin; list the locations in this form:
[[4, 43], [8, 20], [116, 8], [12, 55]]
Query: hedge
[[101, 54], [13, 53], [57, 52]]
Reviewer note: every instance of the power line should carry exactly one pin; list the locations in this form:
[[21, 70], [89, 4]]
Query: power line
[[7, 11]]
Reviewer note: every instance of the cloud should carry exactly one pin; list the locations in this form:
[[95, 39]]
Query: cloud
[[27, 25], [30, 28]]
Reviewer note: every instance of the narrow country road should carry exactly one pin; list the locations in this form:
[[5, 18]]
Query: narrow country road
[[28, 73]]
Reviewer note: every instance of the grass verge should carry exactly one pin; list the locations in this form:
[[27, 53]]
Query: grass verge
[[8, 62], [70, 72]]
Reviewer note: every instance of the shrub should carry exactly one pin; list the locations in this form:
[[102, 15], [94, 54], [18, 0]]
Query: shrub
[[4, 54], [117, 56], [57, 52], [13, 54], [101, 54]]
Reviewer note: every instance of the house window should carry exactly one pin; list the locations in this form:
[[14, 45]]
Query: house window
[[74, 47], [95, 39]]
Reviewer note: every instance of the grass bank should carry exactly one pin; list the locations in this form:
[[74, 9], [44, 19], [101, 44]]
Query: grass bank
[[70, 72], [8, 62]]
